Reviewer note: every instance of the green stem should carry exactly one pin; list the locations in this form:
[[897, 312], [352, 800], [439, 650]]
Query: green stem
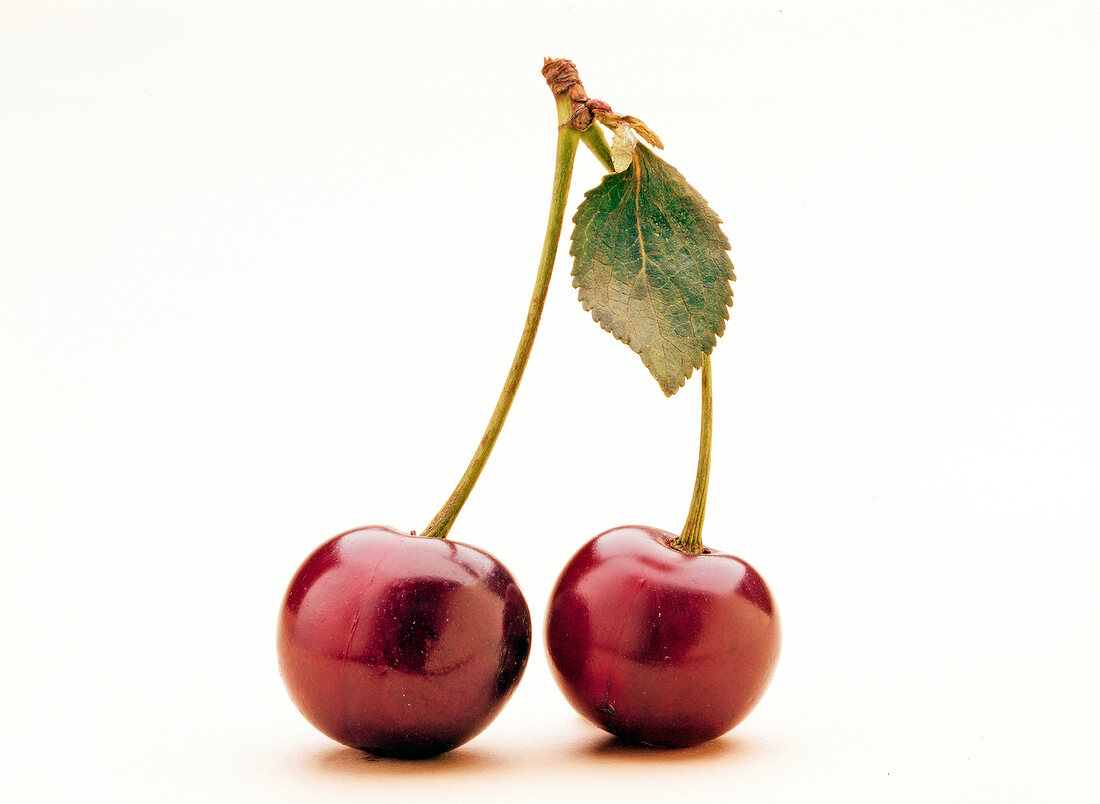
[[563, 172], [690, 539], [594, 138]]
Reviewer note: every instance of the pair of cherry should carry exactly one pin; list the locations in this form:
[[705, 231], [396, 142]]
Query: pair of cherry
[[408, 646]]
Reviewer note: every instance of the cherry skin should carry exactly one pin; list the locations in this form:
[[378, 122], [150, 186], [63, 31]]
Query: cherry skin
[[658, 646], [401, 645]]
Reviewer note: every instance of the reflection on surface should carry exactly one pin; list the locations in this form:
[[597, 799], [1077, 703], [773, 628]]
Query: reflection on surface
[[341, 761], [585, 749], [610, 749]]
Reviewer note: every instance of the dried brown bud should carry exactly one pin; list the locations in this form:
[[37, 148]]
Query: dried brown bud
[[562, 78], [598, 107], [560, 75]]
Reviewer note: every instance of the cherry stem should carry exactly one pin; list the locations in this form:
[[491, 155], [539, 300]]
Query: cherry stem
[[568, 139], [690, 539], [594, 138]]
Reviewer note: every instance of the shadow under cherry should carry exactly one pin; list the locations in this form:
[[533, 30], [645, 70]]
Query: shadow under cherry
[[342, 761], [610, 749]]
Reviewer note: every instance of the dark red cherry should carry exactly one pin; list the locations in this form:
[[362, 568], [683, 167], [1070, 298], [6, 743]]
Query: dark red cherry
[[402, 645], [659, 646]]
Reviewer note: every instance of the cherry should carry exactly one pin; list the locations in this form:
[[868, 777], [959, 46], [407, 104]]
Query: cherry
[[404, 646], [656, 638], [660, 646]]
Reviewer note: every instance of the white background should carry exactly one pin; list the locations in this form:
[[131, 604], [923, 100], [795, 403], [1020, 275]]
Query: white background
[[262, 268]]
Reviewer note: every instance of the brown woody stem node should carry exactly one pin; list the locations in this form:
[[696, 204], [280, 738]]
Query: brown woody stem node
[[562, 78]]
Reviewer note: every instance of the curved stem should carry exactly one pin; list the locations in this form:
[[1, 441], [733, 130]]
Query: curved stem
[[563, 172], [690, 539]]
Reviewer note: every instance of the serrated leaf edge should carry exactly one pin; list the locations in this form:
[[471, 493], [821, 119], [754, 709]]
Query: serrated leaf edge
[[687, 368]]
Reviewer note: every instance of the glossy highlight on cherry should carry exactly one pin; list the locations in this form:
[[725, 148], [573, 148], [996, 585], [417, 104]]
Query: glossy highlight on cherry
[[402, 645], [659, 646]]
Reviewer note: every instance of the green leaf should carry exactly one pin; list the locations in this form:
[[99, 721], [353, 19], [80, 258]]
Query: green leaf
[[650, 263]]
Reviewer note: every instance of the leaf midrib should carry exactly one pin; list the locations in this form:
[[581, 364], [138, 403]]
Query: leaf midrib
[[645, 264]]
